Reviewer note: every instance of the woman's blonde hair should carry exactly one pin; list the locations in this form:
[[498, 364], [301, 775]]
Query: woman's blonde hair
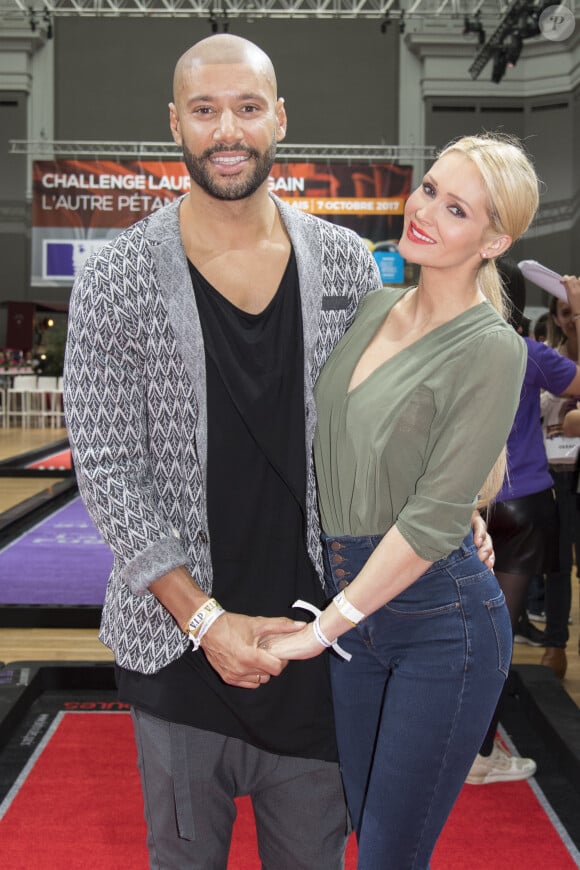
[[512, 190]]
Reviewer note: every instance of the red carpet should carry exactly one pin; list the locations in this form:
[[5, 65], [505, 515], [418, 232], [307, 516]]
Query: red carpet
[[80, 807]]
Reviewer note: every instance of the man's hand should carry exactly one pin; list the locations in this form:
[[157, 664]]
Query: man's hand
[[231, 643], [232, 647], [482, 540]]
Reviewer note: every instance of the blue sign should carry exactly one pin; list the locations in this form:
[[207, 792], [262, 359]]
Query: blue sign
[[59, 260], [391, 266]]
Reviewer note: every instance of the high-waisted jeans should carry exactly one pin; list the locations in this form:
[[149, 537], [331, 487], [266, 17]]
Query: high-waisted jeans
[[414, 703]]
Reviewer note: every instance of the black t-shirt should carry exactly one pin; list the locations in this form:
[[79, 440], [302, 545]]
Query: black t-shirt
[[257, 520]]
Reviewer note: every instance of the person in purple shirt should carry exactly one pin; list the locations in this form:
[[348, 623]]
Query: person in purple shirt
[[523, 521]]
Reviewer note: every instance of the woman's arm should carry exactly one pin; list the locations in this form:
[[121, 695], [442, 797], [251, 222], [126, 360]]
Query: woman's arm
[[470, 437], [571, 425], [572, 286], [392, 567], [473, 425]]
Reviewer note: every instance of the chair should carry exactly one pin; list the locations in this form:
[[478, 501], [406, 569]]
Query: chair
[[20, 399], [3, 401], [56, 406], [41, 411]]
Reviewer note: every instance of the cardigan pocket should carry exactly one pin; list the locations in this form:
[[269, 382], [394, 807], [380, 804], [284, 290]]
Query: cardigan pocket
[[335, 302]]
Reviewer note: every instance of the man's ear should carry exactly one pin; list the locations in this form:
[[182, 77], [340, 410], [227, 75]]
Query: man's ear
[[281, 120], [174, 125]]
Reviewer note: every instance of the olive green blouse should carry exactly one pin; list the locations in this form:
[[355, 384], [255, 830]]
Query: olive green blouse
[[413, 443]]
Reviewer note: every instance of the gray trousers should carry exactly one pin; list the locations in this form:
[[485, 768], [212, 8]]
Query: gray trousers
[[190, 778]]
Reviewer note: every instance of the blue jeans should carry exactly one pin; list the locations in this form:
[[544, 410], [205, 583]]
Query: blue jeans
[[414, 703]]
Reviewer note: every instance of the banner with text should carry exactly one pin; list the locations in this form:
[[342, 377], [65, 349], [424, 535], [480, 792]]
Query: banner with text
[[78, 205]]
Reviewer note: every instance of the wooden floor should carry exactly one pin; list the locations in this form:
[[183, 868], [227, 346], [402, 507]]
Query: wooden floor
[[15, 441], [83, 644], [14, 490]]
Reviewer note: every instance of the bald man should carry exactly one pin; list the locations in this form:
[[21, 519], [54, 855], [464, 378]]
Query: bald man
[[195, 339]]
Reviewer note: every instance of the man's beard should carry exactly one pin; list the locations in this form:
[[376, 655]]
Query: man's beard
[[229, 188]]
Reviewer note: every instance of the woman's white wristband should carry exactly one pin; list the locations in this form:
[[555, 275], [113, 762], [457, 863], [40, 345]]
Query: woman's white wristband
[[319, 634], [347, 610]]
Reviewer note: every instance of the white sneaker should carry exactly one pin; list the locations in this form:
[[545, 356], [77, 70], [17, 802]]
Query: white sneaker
[[538, 616], [500, 766]]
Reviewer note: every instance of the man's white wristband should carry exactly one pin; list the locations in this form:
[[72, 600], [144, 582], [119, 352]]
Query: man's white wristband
[[347, 610], [202, 620]]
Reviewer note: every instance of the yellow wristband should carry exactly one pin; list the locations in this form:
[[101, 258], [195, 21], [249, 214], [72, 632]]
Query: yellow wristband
[[202, 619]]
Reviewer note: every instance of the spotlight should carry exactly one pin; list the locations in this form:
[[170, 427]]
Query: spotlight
[[519, 22], [385, 22], [513, 47], [32, 19], [215, 20], [528, 24], [474, 27], [48, 23], [402, 24], [251, 8], [529, 21], [499, 65]]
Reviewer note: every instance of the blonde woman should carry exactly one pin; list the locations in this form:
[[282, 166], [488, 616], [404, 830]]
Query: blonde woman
[[414, 408]]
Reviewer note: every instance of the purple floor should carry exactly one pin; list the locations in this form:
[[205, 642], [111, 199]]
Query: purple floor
[[62, 560]]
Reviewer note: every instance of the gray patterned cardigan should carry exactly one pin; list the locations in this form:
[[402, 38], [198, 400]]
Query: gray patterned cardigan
[[136, 408]]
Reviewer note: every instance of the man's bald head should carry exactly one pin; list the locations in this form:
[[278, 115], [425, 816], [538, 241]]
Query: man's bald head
[[225, 101], [224, 48]]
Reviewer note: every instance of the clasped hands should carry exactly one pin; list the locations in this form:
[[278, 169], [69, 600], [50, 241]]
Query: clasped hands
[[246, 651]]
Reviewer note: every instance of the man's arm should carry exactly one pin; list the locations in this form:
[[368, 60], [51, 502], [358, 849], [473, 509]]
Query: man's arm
[[105, 402], [231, 644]]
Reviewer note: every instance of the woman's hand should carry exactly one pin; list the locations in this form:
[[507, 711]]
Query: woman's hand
[[572, 287], [482, 540], [300, 645]]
